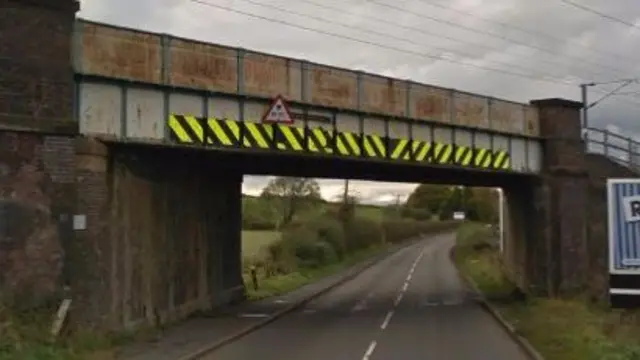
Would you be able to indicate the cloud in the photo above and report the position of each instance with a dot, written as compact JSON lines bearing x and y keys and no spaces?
{"x":331,"y":189}
{"x":542,"y":39}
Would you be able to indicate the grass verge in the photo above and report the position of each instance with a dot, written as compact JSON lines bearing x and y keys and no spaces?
{"x":281,"y":284}
{"x":560,"y":329}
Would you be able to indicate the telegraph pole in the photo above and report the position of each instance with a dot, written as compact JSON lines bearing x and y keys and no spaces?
{"x":585,"y":120}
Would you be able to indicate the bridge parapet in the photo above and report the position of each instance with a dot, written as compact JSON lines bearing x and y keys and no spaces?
{"x":621,"y":149}
{"x":132,"y":55}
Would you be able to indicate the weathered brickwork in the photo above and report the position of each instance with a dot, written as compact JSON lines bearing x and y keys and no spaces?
{"x":37,"y":162}
{"x":36,"y":207}
{"x":36,"y":81}
{"x":548,"y":214}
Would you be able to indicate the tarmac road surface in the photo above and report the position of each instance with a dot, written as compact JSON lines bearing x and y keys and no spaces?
{"x":409,"y":306}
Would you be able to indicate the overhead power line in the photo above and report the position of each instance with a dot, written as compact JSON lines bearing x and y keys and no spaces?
{"x":390,"y":36}
{"x":434,"y":34}
{"x":599,"y":13}
{"x":382,"y":46}
{"x":578,"y":60}
{"x":559,"y":40}
{"x":386,"y":47}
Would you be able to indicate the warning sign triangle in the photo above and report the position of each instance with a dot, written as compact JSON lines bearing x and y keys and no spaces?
{"x":278,"y":112}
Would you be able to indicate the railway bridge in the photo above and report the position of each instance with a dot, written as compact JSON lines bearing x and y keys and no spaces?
{"x":122,"y":155}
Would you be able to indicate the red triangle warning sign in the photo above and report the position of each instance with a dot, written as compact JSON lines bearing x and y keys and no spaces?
{"x":278,"y":112}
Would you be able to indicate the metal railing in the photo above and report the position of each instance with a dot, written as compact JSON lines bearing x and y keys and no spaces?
{"x":620,"y":149}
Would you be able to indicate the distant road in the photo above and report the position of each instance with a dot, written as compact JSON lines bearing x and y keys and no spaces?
{"x":411,"y":305}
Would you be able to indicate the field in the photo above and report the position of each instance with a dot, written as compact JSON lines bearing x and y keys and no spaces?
{"x":253,"y":241}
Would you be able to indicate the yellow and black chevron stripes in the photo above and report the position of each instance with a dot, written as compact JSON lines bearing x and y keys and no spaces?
{"x":256,"y":136}
{"x":320,"y":141}
{"x":347,"y":144}
{"x":501,"y":160}
{"x":288,"y":138}
{"x":482,"y":158}
{"x":374,"y":146}
{"x":187,"y":129}
{"x":224,"y":133}
{"x":400,"y":149}
{"x":463,"y":155}
{"x":442,"y":153}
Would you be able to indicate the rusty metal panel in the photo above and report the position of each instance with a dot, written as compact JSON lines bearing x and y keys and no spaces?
{"x":186,"y":104}
{"x":399,"y":130}
{"x":422,"y":131}
{"x":145,"y":114}
{"x":119,"y":53}
{"x":253,"y":111}
{"x":100,"y":109}
{"x":374,"y":126}
{"x":347,"y":122}
{"x":531,"y":120}
{"x":203,"y":66}
{"x":534,"y":152}
{"x":332,"y":87}
{"x":507,"y":117}
{"x":223,"y":108}
{"x":471,"y":110}
{"x":383,"y":95}
{"x":269,"y":76}
{"x":430,"y":103}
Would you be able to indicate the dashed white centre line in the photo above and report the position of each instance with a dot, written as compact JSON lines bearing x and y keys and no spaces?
{"x":370,"y":350}
{"x":397,"y":301}
{"x":385,"y":323}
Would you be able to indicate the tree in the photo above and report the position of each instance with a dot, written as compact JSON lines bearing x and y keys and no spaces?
{"x":485,"y":204}
{"x":291,"y":194}
{"x":429,"y":196}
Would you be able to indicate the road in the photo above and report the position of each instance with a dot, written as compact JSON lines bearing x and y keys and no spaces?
{"x":411,"y":305}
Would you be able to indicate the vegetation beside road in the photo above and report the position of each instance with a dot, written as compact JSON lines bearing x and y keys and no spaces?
{"x":303,"y":238}
{"x":560,"y":329}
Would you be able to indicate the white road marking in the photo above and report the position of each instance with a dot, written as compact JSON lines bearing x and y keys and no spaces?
{"x":387,"y":318}
{"x":359,"y":306}
{"x":398,"y":299}
{"x":362,"y":304}
{"x":280,"y":301}
{"x":370,"y":350}
{"x":253,"y":315}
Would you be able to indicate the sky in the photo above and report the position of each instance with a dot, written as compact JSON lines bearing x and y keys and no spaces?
{"x":470,"y":45}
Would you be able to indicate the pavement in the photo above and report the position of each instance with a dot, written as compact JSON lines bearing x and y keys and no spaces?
{"x":411,"y":305}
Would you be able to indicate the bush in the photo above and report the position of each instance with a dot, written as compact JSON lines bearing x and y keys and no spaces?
{"x":308,"y":249}
{"x":330,"y":230}
{"x":416,"y":213}
{"x":362,"y":233}
{"x":249,"y":223}
{"x":398,"y":230}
